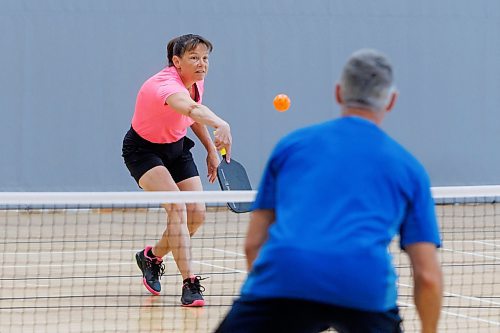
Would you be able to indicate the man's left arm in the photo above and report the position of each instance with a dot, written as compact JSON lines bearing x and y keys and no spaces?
{"x":258,"y":227}
{"x":428,"y":283}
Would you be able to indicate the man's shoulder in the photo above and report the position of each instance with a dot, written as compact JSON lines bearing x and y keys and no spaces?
{"x":405,"y":161}
{"x":307,"y":135}
{"x":310,"y":130}
{"x":403,"y":152}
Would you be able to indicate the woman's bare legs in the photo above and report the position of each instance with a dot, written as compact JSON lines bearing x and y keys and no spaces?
{"x":176,"y":237}
{"x":182,"y":220}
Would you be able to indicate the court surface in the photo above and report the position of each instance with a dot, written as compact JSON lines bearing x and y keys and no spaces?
{"x":74,"y":271}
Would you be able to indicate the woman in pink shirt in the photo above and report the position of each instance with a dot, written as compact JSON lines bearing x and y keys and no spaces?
{"x":157,"y":154}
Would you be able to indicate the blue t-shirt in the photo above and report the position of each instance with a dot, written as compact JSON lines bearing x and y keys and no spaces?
{"x":341,"y":191}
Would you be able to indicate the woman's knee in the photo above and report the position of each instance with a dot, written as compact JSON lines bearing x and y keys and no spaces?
{"x":196,"y":216}
{"x":175,"y":210}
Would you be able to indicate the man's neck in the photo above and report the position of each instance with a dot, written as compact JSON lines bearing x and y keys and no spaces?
{"x":373,"y":116}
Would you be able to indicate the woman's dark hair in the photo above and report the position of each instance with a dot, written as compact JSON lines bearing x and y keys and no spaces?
{"x":182,"y":44}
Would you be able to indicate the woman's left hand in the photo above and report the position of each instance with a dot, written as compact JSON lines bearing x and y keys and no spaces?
{"x":212,"y":164}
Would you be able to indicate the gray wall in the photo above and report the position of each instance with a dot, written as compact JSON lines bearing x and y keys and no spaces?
{"x":70,"y":71}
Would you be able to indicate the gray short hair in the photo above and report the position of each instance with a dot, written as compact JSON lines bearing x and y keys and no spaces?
{"x":366,"y":80}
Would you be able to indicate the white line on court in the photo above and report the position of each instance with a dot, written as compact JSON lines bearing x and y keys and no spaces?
{"x":222,"y":260}
{"x":476,"y":241}
{"x":66,"y":251}
{"x":472,"y":298}
{"x":66,"y":265}
{"x":36,"y":285}
{"x":458,"y":315}
{"x":476,"y":299}
{"x":487,"y":243}
{"x":104,"y":264}
{"x":108,"y":250}
{"x":471,"y":254}
{"x":472,"y":318}
{"x":224,"y":251}
{"x":221,"y":267}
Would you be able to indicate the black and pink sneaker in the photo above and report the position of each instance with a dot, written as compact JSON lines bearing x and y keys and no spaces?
{"x":192,"y":292}
{"x":152,"y":270}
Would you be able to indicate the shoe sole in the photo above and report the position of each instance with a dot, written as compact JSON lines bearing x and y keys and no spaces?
{"x":197,"y":303}
{"x":151,"y":290}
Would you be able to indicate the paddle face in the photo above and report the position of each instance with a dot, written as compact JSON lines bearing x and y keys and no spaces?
{"x":233,"y":177}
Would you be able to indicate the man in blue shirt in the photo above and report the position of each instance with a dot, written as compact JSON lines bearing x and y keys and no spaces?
{"x":332,"y":198}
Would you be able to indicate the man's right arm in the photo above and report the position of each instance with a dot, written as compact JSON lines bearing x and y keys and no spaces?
{"x":428,"y":283}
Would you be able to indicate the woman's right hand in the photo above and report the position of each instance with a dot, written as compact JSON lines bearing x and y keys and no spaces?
{"x":223,"y":139}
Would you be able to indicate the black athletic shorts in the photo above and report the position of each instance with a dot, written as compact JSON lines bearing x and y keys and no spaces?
{"x":140,"y":155}
{"x":300,"y":316}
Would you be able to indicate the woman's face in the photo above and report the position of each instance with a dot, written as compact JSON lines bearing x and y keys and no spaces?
{"x":193,"y":64}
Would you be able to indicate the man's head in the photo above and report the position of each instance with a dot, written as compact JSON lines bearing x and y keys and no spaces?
{"x":366,"y":82}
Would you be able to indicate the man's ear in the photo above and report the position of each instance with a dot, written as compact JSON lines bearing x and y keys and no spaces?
{"x":338,"y":94}
{"x":392,"y":101}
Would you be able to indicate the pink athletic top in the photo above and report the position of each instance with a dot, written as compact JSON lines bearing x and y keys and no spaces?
{"x":154,"y":120}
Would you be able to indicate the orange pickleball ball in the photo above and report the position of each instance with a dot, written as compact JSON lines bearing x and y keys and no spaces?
{"x":281,"y":102}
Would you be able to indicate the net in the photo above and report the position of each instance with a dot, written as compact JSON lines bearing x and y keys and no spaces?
{"x":67,"y":261}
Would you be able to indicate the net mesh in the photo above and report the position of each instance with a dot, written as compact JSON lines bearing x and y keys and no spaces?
{"x":67,"y":262}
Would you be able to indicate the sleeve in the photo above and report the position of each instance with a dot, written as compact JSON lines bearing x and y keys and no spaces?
{"x":170,"y":87}
{"x":265,"y":198}
{"x":267,"y":191}
{"x":420,"y":224}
